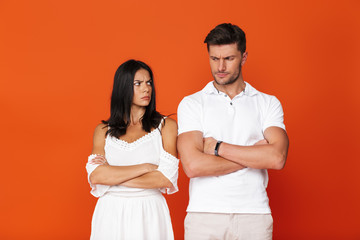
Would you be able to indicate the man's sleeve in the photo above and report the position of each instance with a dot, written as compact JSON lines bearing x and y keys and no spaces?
{"x":274,"y":116}
{"x":189,"y":116}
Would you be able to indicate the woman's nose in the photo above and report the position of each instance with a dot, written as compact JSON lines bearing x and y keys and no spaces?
{"x":146,"y":88}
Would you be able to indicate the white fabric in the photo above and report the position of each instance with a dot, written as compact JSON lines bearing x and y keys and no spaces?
{"x":118,"y":216}
{"x":228,"y":226}
{"x":151,"y":217}
{"x":241,"y":121}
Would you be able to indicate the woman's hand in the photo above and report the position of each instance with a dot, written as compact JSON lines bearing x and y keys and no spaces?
{"x":99,"y":159}
{"x":150,"y":167}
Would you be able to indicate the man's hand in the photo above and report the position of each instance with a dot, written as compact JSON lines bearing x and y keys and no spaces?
{"x":261,"y":142}
{"x":209,"y":145}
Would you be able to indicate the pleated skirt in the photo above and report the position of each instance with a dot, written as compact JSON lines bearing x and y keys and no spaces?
{"x":144,"y":217}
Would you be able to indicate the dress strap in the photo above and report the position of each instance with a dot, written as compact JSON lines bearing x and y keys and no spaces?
{"x":162,"y":122}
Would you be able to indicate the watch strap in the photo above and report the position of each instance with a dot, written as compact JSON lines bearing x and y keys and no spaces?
{"x":217,"y":148}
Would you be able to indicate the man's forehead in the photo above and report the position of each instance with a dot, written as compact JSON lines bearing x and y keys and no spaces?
{"x":224,"y":50}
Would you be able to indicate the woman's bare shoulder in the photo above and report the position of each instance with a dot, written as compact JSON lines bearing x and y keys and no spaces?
{"x":100,"y":130}
{"x":169,"y":125}
{"x":99,"y":139}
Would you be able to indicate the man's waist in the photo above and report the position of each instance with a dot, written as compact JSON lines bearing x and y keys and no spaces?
{"x":265,"y":209}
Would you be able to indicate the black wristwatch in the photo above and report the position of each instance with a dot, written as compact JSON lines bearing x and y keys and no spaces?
{"x":217,"y":148}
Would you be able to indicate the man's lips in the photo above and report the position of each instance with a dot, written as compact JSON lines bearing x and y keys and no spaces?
{"x":221,"y":75}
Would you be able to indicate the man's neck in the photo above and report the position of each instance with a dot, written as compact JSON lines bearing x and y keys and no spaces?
{"x":232,"y":89}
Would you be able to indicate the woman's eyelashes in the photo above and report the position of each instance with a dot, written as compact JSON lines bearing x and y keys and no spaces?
{"x":138,"y":83}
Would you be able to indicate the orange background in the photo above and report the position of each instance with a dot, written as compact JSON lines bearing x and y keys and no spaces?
{"x":57,"y":61}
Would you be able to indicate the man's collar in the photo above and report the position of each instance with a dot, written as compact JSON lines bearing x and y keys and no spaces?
{"x":248,"y":91}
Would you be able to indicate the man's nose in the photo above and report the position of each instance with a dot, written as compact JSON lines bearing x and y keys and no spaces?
{"x":222,"y":65}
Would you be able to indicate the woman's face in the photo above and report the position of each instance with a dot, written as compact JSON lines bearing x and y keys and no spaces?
{"x":142,"y":88}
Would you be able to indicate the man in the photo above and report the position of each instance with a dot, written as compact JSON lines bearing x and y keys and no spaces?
{"x":229,"y":134}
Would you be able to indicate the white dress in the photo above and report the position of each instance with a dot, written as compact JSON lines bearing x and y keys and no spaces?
{"x":134,"y":213}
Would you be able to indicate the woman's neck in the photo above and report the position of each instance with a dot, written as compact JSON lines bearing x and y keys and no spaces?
{"x":136,"y":114}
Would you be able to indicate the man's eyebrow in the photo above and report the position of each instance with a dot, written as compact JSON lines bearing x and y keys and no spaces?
{"x":230,"y":56}
{"x":223,"y":57}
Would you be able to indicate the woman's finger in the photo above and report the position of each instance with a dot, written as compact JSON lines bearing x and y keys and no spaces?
{"x":97,"y":162}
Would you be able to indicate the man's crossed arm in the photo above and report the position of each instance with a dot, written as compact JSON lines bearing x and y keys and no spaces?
{"x":198,"y":159}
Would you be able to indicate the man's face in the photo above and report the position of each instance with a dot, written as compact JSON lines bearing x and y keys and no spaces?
{"x":225,"y":63}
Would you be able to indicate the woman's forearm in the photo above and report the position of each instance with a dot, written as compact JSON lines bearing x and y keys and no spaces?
{"x":153,"y":179}
{"x":115,"y":175}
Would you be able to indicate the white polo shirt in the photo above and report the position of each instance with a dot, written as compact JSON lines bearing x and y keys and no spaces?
{"x":241,"y":121}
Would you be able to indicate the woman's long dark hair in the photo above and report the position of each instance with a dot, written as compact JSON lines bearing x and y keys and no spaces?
{"x":122,"y":98}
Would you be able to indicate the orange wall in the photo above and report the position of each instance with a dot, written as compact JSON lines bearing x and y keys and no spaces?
{"x":57,"y":60}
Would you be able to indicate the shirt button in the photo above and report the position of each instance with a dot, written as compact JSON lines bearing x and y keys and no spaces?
{"x":230,"y":103}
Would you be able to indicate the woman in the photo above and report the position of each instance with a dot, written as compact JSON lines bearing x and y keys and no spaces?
{"x":133,"y":161}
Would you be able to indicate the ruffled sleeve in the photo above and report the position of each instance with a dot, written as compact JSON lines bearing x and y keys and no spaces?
{"x":168,"y":166}
{"x":96,"y":189}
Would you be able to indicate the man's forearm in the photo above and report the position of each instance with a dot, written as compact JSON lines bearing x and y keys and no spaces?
{"x":269,"y":153}
{"x":263,"y":156}
{"x":258,"y":156}
{"x":196,"y":163}
{"x":203,"y":164}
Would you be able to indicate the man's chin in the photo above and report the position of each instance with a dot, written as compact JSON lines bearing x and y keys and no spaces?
{"x":224,"y":81}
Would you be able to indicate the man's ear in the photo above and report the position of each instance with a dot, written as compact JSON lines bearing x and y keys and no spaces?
{"x":244,"y":57}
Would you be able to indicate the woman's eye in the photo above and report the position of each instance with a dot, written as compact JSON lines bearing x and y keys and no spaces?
{"x":148,"y":83}
{"x":137,"y":84}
